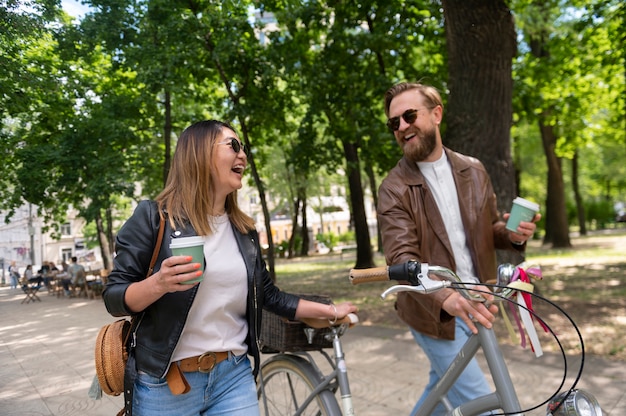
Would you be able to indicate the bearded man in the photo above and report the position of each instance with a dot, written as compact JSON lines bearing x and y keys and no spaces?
{"x":438,"y":206}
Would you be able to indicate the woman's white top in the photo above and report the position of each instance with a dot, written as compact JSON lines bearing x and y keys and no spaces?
{"x":217,"y":318}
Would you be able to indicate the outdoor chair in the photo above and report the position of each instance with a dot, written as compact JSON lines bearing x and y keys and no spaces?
{"x":30,"y":289}
{"x":81,"y":288}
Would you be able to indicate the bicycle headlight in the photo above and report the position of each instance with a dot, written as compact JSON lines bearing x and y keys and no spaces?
{"x":575,"y":403}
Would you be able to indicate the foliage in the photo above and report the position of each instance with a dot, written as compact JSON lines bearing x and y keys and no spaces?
{"x":329,"y":239}
{"x":570,"y":81}
{"x":90,"y":109}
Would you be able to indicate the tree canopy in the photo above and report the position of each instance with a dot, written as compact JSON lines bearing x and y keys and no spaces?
{"x":91,"y":108}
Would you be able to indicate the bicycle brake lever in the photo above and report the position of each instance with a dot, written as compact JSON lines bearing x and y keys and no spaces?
{"x":427,"y":286}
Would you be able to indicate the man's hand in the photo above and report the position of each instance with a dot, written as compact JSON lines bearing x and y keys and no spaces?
{"x":471,"y":311}
{"x":525,"y":230}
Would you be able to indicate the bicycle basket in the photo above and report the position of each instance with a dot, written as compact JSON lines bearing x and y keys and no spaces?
{"x":282,"y":334}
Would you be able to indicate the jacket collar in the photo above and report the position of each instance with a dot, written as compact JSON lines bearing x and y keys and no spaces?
{"x":412,"y":176}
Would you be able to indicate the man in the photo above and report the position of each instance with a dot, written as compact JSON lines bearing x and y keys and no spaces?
{"x":75,"y":276}
{"x":438,"y":206}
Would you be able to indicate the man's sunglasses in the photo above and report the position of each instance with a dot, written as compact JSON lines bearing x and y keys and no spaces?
{"x":237,"y":146}
{"x":409,"y":116}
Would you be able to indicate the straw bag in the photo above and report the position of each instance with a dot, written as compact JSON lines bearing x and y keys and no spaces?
{"x":111,"y":356}
{"x":111,"y":343}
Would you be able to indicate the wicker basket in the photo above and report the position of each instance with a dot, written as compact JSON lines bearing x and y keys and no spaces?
{"x":282,"y":334}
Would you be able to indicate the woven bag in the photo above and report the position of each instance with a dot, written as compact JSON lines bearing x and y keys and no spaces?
{"x":111,"y":356}
{"x":111,"y":352}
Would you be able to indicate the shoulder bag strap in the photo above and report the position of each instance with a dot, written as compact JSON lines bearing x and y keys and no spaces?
{"x":157,"y":247}
{"x":155,"y":254}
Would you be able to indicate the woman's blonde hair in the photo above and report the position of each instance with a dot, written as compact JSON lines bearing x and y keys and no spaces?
{"x":188,"y":194}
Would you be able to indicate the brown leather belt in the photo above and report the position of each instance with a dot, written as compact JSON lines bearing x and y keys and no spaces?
{"x":203,"y":363}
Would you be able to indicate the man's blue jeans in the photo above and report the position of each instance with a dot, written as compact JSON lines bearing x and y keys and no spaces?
{"x":472,"y":382}
{"x":228,"y":390}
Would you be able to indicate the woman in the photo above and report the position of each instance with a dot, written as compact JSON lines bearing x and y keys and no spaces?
{"x":215,"y":322}
{"x":14,"y":274}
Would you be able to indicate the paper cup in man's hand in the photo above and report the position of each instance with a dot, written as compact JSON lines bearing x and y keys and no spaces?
{"x":522,"y":210}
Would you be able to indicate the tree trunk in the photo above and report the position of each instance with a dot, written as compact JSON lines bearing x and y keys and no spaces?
{"x":557,"y":231}
{"x":364,"y":255}
{"x":266,"y":212}
{"x":294,"y":228}
{"x":372,"y":180}
{"x":481,"y":46}
{"x":110,"y":238}
{"x":167,"y":136}
{"x":104,"y":244}
{"x":580,"y":207}
{"x":304,"y":249}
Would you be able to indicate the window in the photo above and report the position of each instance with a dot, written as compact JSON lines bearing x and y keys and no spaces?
{"x":66,"y":254}
{"x":66,"y":229}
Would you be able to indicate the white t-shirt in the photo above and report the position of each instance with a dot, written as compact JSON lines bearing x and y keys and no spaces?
{"x":439,"y":177}
{"x":217,"y":319}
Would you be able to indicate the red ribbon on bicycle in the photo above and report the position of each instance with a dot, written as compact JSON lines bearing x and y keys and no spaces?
{"x":523,"y":313}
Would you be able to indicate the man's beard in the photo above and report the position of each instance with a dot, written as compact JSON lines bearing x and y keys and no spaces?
{"x":421,"y":146}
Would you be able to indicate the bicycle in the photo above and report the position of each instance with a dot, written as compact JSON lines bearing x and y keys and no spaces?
{"x":310,"y":391}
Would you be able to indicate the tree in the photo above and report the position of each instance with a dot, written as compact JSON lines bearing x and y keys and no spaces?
{"x":568,"y":84}
{"x":481,"y":47}
{"x":347,"y":56}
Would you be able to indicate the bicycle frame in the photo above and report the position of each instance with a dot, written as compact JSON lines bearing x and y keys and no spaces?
{"x":504,"y":397}
{"x":335,"y":379}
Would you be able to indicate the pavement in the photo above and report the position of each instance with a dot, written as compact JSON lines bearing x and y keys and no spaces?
{"x":47,"y":364}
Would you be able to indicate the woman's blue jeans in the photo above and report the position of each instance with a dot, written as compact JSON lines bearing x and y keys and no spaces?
{"x":229,"y":389}
{"x":470,"y":384}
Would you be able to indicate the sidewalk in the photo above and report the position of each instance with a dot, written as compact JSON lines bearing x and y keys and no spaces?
{"x":46,"y":364}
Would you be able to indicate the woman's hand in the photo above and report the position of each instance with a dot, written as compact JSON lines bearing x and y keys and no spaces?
{"x":332,"y":312}
{"x":174,"y":270}
{"x":344,"y":308}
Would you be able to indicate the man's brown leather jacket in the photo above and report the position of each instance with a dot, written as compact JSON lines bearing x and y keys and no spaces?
{"x":412,"y":229}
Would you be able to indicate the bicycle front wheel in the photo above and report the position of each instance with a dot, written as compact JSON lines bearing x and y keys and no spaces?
{"x":288,"y":382}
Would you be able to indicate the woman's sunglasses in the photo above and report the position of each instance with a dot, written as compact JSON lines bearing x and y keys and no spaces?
{"x":409,"y":116}
{"x":236,"y":145}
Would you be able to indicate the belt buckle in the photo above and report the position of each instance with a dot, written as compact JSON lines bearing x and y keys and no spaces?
{"x":210,"y":367}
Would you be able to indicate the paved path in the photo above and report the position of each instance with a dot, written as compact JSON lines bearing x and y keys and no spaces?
{"x":46,"y":364}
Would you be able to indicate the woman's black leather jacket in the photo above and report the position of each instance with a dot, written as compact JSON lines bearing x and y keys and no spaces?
{"x":159,"y":326}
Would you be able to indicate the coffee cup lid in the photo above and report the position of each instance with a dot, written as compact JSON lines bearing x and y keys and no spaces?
{"x":526,"y":203}
{"x":186,"y":241}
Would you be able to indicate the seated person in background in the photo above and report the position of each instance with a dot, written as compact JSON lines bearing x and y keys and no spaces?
{"x":75,"y":276}
{"x":30,"y":277}
{"x":44,"y":272}
{"x":30,"y":282}
{"x":52,"y":274}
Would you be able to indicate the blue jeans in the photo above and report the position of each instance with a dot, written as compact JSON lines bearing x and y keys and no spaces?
{"x":14,"y":281}
{"x":470,"y":384}
{"x":229,"y":389}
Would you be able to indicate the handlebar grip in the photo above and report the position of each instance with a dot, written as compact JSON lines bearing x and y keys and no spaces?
{"x":375,"y":274}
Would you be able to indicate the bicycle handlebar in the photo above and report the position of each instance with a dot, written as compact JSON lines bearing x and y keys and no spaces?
{"x":403,"y":271}
{"x":350,"y":319}
{"x":416,"y":274}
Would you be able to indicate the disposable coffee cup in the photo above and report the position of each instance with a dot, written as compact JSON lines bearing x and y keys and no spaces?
{"x":190,"y":246}
{"x":522,"y":210}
